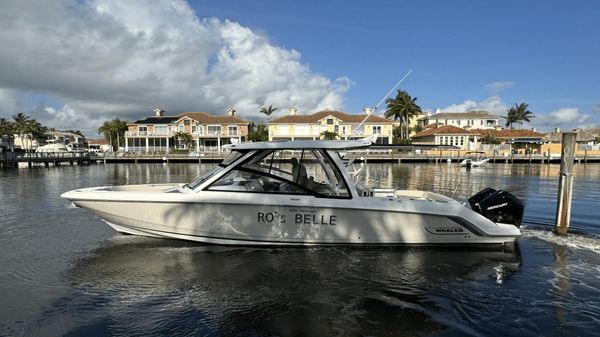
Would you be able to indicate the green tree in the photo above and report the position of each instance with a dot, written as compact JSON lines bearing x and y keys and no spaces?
{"x":329,"y":135}
{"x":35,"y":130}
{"x":402,"y":107}
{"x":522,"y":113}
{"x":184,"y":139}
{"x":259,"y":133}
{"x":518,"y":114}
{"x":20,"y":125}
{"x":114,"y":132}
{"x":489,"y":139}
{"x":268,"y":110}
{"x":6,"y":127}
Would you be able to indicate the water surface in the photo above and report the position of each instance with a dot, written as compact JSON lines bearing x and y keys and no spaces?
{"x":64,"y":272}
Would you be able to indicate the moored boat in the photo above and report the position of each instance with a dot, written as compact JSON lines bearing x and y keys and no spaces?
{"x":300,"y":193}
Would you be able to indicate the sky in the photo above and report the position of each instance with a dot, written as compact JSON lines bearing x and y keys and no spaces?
{"x":73,"y":64}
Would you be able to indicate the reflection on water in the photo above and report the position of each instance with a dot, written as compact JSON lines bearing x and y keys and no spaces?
{"x":66,"y":273}
{"x":227,"y":291}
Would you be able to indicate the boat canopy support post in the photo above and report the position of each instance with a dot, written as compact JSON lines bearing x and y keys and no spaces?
{"x":565,"y":184}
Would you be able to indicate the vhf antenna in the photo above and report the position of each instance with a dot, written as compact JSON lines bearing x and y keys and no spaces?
{"x":378,"y":104}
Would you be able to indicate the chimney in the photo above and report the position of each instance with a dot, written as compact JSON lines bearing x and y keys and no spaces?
{"x":367,"y":110}
{"x":438,"y":110}
{"x":293,"y":111}
{"x":556,"y":130}
{"x":231,"y":112}
{"x":533,"y":129}
{"x":158,"y":112}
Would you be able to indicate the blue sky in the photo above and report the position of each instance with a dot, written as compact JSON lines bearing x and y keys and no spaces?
{"x":548,"y":50}
{"x":312,"y":54}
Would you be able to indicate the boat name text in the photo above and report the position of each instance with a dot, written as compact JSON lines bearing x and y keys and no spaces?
{"x":299,"y":218}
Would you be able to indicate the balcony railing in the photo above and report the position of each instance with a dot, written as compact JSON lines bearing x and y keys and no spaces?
{"x":147,"y":133}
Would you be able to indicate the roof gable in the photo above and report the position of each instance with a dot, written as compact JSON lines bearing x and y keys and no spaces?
{"x":444,"y":130}
{"x":318,"y":116}
{"x":206,"y":118}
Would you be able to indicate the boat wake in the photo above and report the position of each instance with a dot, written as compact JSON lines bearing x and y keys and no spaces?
{"x":583,"y":241}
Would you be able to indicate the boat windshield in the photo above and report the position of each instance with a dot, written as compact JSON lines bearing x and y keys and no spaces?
{"x":309,"y":171}
{"x":232,"y":157}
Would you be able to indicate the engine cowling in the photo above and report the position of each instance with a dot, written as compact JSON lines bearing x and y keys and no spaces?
{"x":498,"y":206}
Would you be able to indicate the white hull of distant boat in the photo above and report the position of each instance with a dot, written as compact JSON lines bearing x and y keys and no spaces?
{"x":474,"y":163}
{"x":248,"y":201}
{"x":53,"y":148}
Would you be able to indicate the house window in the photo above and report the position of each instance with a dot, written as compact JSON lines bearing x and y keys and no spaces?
{"x":214,"y":129}
{"x":143,"y":130}
{"x":232,"y":130}
{"x":160,"y":130}
{"x":186,"y":122}
{"x":194,"y":128}
{"x":458,"y":122}
{"x":377,"y":129}
{"x":330,"y":121}
{"x":360,"y":130}
{"x":336,"y":128}
{"x":181,"y":128}
{"x":345,"y":130}
{"x":481,"y":122}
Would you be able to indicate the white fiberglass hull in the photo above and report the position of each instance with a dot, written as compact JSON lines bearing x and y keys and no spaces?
{"x":259,"y":219}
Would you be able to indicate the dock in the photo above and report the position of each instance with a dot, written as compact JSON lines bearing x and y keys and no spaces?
{"x":32,"y":159}
{"x":46,"y":159}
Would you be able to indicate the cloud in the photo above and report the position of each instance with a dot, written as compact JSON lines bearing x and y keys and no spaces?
{"x":493,"y":105}
{"x":564,"y":118}
{"x":101,"y":59}
{"x":498,"y":87}
{"x":9,"y":102}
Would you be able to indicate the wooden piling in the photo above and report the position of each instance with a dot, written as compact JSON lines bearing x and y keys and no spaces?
{"x":565,"y":184}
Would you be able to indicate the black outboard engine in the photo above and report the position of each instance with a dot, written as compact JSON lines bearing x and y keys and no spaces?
{"x":498,"y":206}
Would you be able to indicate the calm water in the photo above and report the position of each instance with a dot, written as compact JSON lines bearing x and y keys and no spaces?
{"x":63,"y":272}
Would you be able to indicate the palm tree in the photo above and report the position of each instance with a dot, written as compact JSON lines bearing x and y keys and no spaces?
{"x":113,"y":131}
{"x":36,"y":130}
{"x":522,"y":114}
{"x":6,"y":127}
{"x":518,"y":114}
{"x":329,"y":135}
{"x":268,"y":110}
{"x":20,"y":125}
{"x":511,"y":118}
{"x":403,"y":107}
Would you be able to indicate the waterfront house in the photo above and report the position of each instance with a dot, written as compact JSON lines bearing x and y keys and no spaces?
{"x":208,"y":132}
{"x":447,"y":135}
{"x":344,"y":125}
{"x":521,"y":141}
{"x":466,"y":120}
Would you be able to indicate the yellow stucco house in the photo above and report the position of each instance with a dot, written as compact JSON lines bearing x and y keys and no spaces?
{"x":346,"y":126}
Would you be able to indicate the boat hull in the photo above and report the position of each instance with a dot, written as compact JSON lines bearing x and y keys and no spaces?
{"x":298,"y":223}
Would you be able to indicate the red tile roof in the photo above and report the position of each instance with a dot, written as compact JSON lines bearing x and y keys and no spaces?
{"x":461,"y":115}
{"x":97,"y":141}
{"x":206,"y":118}
{"x":316,"y":117}
{"x":444,"y":130}
{"x":509,"y":133}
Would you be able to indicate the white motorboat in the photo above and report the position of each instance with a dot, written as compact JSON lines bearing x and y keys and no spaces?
{"x":469,"y":162}
{"x":53,"y":147}
{"x":300,"y":193}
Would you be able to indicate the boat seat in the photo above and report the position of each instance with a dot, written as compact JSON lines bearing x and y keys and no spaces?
{"x":253,"y":185}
